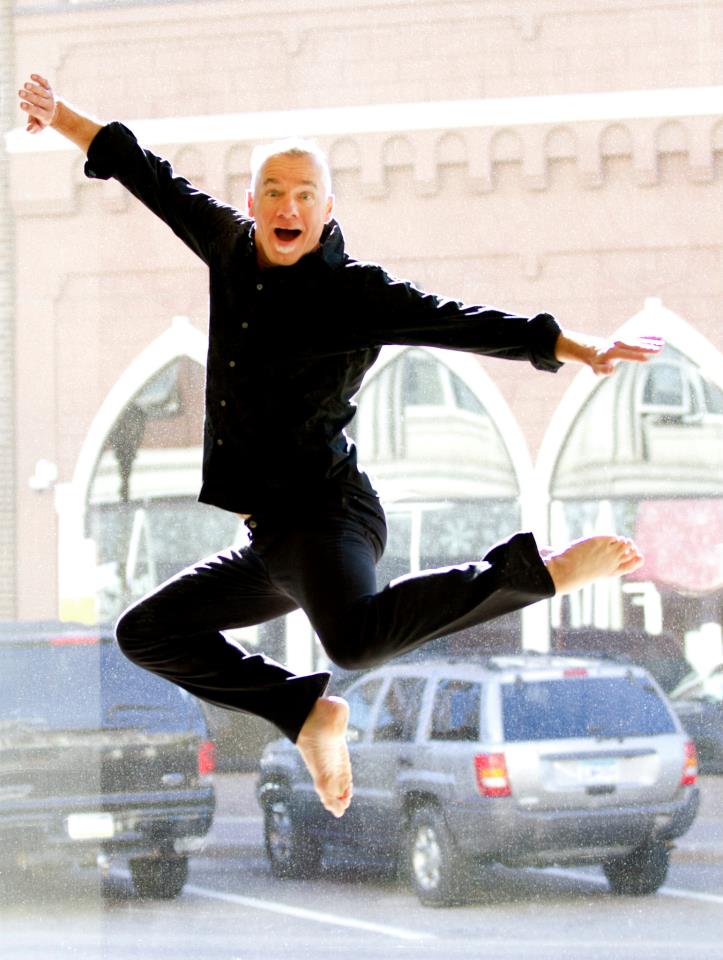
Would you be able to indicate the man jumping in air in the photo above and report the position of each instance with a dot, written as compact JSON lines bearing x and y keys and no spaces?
{"x":295,"y":323}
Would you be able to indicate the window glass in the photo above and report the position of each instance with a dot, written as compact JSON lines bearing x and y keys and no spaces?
{"x":399,"y":712}
{"x":422,"y":380}
{"x":115,"y":692}
{"x":463,"y":396}
{"x":664,"y":386}
{"x":456,"y":711}
{"x":611,"y":707}
{"x":713,"y":397}
{"x":361,"y":702}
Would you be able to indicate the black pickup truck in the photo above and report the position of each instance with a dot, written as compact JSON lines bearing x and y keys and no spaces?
{"x":100,"y":761}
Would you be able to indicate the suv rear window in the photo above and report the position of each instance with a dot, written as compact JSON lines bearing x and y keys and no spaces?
{"x":615,"y":707}
{"x":83,"y":684}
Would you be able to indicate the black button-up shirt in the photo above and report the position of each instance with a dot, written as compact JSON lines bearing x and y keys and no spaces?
{"x":289,"y":346}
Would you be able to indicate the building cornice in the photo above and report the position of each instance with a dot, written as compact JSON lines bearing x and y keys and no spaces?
{"x":533,"y":132}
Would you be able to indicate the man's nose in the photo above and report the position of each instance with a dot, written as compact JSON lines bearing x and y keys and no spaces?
{"x":288,"y":207}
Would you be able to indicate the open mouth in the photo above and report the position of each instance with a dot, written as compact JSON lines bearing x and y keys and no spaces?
{"x":286,"y":236}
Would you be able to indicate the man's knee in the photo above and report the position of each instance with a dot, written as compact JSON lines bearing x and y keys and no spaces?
{"x":347,"y":654}
{"x":133,"y":631}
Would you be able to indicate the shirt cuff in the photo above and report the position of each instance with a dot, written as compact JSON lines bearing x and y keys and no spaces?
{"x":107,"y":151}
{"x":543,"y":332}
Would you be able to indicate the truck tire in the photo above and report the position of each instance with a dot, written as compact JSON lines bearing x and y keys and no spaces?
{"x":159,"y":878}
{"x":437,"y":870}
{"x":291,"y":851}
{"x":639,"y":873}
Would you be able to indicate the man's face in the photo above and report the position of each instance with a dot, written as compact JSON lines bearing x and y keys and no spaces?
{"x":290,"y":205}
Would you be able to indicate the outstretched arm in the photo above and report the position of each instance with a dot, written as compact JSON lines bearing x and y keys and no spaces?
{"x":113,"y":151}
{"x":43,"y":109}
{"x":603,"y":355}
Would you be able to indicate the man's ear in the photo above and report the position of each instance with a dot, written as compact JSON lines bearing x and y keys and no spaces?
{"x":329,"y":210}
{"x":250,"y":202}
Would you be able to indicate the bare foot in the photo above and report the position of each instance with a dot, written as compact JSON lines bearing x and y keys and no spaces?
{"x":592,"y":558}
{"x":323,"y":747}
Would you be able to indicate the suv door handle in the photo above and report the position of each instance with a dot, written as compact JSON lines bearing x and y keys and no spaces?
{"x":404,"y":762}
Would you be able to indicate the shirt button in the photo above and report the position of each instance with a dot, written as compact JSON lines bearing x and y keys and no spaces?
{"x":244,"y":325}
{"x":219,"y":442}
{"x":259,"y":286}
{"x":232,"y":363}
{"x":222,"y":403}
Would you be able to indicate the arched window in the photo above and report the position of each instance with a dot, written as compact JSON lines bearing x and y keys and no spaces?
{"x":439,"y":461}
{"x":644,"y":457}
{"x":142,"y":513}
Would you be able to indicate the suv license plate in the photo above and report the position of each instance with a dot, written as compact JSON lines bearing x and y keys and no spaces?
{"x":90,"y":826}
{"x":602,"y":770}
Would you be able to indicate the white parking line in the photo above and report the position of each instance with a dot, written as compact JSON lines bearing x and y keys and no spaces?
{"x":304,"y":914}
{"x":663,"y":891}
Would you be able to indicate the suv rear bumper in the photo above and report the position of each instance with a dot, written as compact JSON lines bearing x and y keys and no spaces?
{"x":503,"y":833}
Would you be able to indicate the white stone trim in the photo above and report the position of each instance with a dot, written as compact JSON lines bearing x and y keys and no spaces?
{"x":403,"y":117}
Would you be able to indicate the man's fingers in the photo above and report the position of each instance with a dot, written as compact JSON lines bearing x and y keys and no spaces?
{"x":36,"y":93}
{"x":41,"y":80}
{"x":642,"y":349}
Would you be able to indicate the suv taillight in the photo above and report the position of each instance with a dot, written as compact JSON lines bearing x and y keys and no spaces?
{"x":690,"y":765}
{"x":206,"y":758}
{"x":491,"y":772}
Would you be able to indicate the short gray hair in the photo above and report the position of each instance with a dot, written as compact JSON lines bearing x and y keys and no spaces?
{"x":289,"y":147}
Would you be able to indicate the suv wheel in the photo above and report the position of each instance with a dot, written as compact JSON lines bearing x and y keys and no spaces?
{"x":159,"y":879}
{"x":640,"y":872}
{"x":291,"y":852}
{"x":436,"y":868}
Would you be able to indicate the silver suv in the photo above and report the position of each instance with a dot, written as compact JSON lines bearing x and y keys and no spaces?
{"x":523,"y":760}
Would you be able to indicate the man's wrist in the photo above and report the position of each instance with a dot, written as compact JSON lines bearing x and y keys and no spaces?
{"x":56,"y":112}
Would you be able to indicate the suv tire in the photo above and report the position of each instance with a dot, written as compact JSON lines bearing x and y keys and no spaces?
{"x":641,"y":872}
{"x":159,"y":878}
{"x":292,"y":853}
{"x":436,"y":868}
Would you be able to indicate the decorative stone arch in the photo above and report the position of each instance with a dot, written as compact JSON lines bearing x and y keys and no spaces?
{"x":466,"y":367}
{"x":654,"y":318}
{"x":75,"y":560}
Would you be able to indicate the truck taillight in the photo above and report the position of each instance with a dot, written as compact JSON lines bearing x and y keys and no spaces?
{"x":690,"y":765}
{"x":206,"y":758}
{"x":491,"y":772}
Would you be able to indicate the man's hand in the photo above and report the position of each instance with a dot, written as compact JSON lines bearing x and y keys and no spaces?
{"x":44,"y":109}
{"x":603,"y":355}
{"x":39,"y":103}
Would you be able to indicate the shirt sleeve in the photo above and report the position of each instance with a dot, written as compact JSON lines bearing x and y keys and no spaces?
{"x":197,"y":218}
{"x":398,"y":312}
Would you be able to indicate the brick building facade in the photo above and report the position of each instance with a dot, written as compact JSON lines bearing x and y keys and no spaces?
{"x":565,"y":156}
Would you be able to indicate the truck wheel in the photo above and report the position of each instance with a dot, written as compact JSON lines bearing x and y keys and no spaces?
{"x":292,"y":852}
{"x":435,"y":866}
{"x":641,"y":872}
{"x":159,"y":878}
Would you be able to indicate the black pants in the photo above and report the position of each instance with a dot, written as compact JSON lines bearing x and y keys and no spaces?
{"x":323,"y":561}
